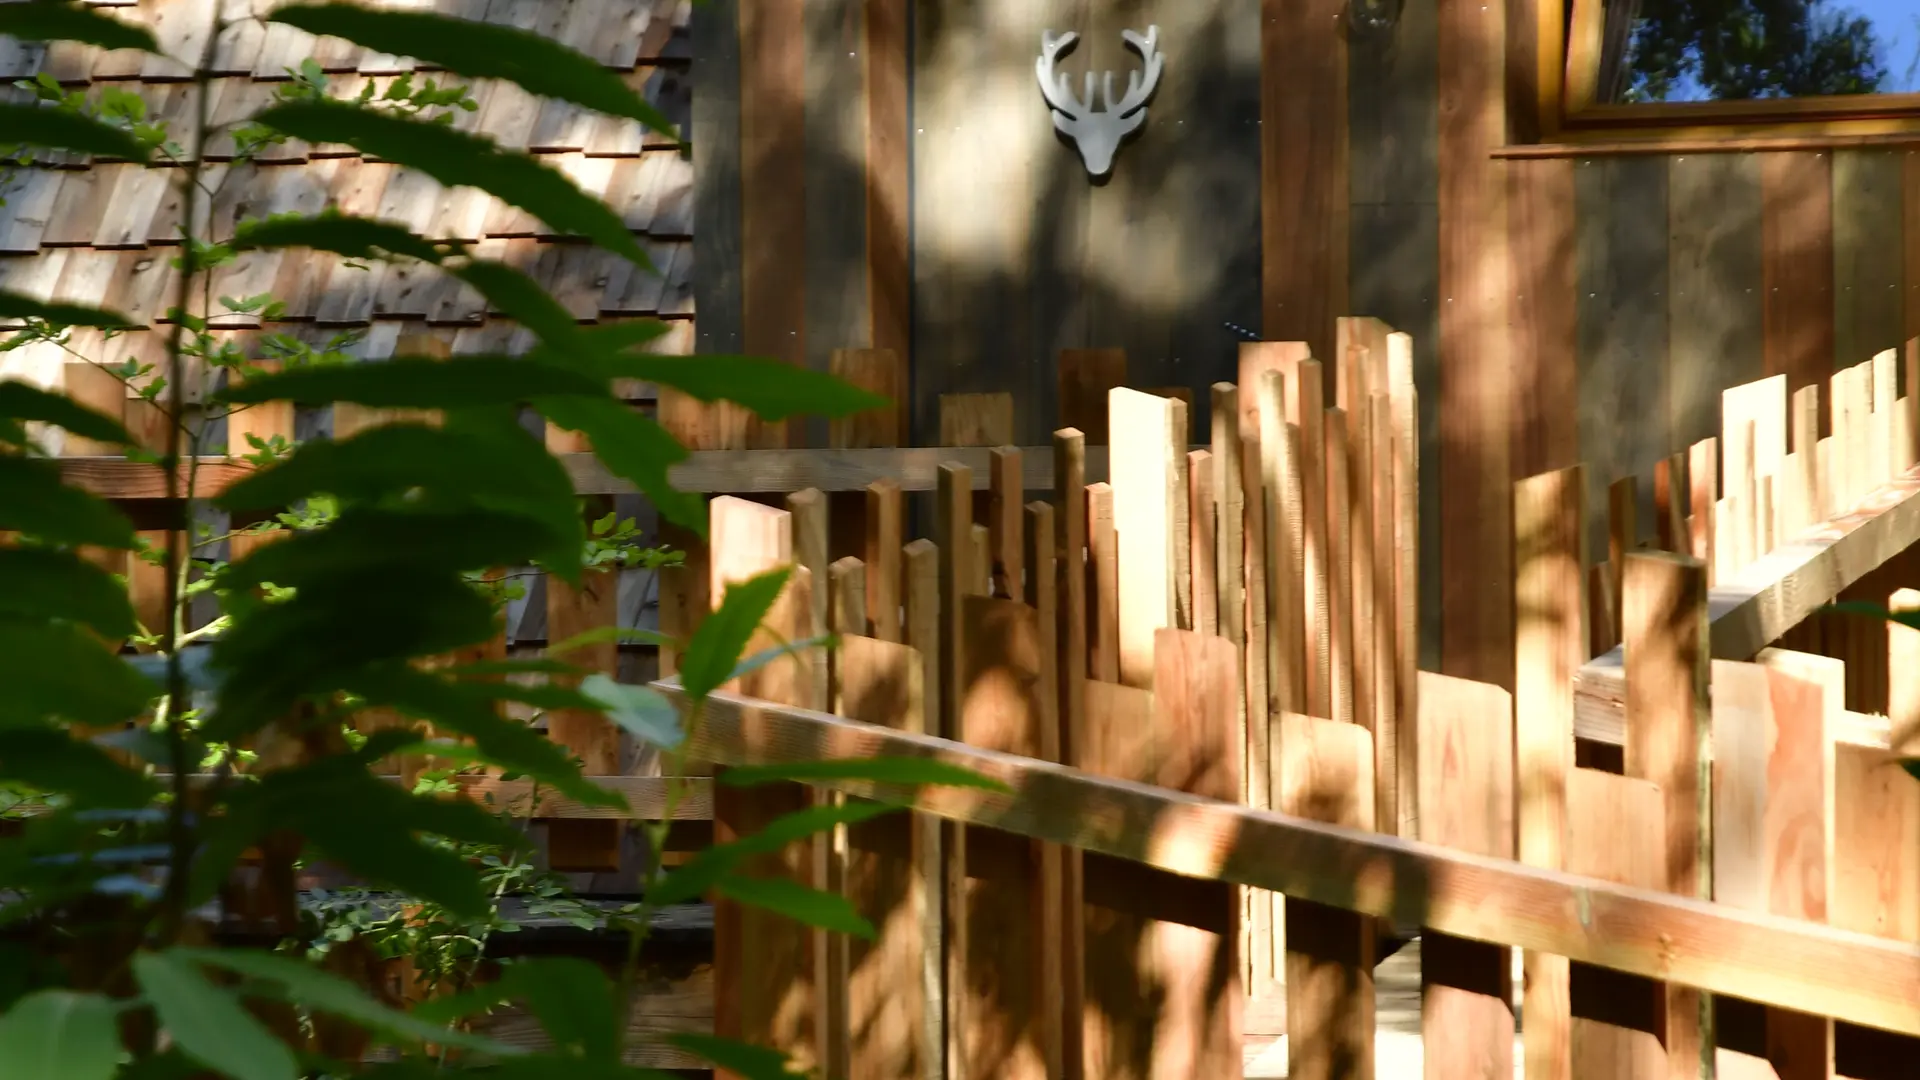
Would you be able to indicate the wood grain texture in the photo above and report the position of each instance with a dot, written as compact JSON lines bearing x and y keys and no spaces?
{"x":835,"y":272}
{"x":1621,"y":269}
{"x":1086,"y":375}
{"x":1765,"y":959}
{"x":1328,"y":776}
{"x":1869,"y":270}
{"x":1543,"y":235}
{"x":1664,"y":620}
{"x":1146,"y":489}
{"x":1550,"y":640}
{"x":889,"y":138}
{"x":1466,"y":777}
{"x":765,"y":967}
{"x":1614,"y":825}
{"x":1003,"y":957}
{"x":715,"y":39}
{"x":1304,"y":201}
{"x":890,"y":874}
{"x":1796,"y":260}
{"x":1716,"y":287}
{"x":773,"y":209}
{"x":884,"y":372}
{"x":1475,"y":387}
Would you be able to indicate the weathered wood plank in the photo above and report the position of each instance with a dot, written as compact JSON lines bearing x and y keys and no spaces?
{"x":1868,"y":266}
{"x":1796,"y":261}
{"x":1714,"y":277}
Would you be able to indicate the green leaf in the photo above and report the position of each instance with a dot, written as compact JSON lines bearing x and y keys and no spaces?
{"x":521,"y":299}
{"x":693,"y":878}
{"x":457,"y":159}
{"x":468,"y":710}
{"x":784,"y":896}
{"x":722,"y":637}
{"x":342,"y":234}
{"x":60,"y":1035}
{"x":751,"y":664}
{"x":634,"y":447}
{"x":57,"y":670}
{"x":1873,"y":611}
{"x":613,"y":337}
{"x":38,"y":504}
{"x":322,"y":991}
{"x":573,"y":1000}
{"x":477,"y":50}
{"x":22,"y":401}
{"x":207,"y":1023}
{"x":1912,"y":765}
{"x":50,"y":760}
{"x":644,"y":712}
{"x":607,"y":633}
{"x":421,"y":383}
{"x":907,"y":772}
{"x":493,"y":464}
{"x":58,"y":129}
{"x":741,"y":1059}
{"x":312,"y":642}
{"x":71,"y":22}
{"x":14,"y":305}
{"x":774,"y":390}
{"x":364,"y":537}
{"x":42,"y":583}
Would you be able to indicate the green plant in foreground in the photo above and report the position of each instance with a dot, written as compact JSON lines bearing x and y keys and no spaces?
{"x":150,"y":777}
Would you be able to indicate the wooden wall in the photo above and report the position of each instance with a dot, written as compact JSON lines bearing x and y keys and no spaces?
{"x":1634,"y":289}
{"x":1017,"y":253}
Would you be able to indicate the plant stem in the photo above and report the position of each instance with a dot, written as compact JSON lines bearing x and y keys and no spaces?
{"x":180,"y":830}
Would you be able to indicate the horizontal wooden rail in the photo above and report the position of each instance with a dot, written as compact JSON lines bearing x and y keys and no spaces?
{"x":1769,"y":597}
{"x":1804,"y":966}
{"x":914,"y":468}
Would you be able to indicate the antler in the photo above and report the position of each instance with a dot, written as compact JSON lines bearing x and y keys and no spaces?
{"x":1058,"y":90}
{"x":1138,"y":89}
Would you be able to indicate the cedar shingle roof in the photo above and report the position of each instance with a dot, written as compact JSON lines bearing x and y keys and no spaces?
{"x":101,"y":232}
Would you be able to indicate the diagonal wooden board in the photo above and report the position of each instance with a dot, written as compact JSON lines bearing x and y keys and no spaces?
{"x":1769,"y":597}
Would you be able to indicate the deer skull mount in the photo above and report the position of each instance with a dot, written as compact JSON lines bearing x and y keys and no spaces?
{"x":1098,"y":132}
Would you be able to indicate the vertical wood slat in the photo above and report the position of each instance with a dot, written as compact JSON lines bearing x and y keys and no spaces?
{"x":1339,"y":574}
{"x":766,"y":988}
{"x":1406,"y":569}
{"x":1086,"y":376}
{"x":953,"y":530}
{"x":1282,"y":563}
{"x":1774,"y":758}
{"x":1306,"y":410}
{"x":1664,"y":607}
{"x":883,"y":553}
{"x":1103,"y":609}
{"x":1070,"y":642}
{"x":1550,"y":638}
{"x":1327,"y":775}
{"x":1466,"y":775}
{"x":1004,"y":524}
{"x":999,"y":957}
{"x":1383,"y":627}
{"x":1201,"y":548}
{"x":922,"y":626}
{"x":772,"y":209}
{"x":1144,"y":471}
{"x":1057,"y":925}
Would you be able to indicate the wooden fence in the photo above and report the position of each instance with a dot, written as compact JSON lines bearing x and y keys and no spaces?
{"x":1197,"y":676}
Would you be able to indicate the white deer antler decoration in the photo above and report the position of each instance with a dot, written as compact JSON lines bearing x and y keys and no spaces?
{"x":1098,"y":132}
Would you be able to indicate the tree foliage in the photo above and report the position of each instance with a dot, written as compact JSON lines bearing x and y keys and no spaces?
{"x":135,"y":781}
{"x":1745,"y":49}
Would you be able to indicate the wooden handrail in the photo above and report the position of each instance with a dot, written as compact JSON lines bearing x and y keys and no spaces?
{"x":1808,"y":967}
{"x":914,"y":468}
{"x":1771,"y":596}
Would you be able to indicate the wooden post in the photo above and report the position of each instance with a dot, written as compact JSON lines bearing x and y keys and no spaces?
{"x":1103,"y":558}
{"x":1201,"y":525}
{"x":1703,"y":480}
{"x":1550,"y":531}
{"x":920,"y":566}
{"x":1306,"y":411}
{"x":1071,"y":653}
{"x":1668,"y":723}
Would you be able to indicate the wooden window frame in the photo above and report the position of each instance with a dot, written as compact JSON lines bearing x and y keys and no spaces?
{"x":1567,"y":72}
